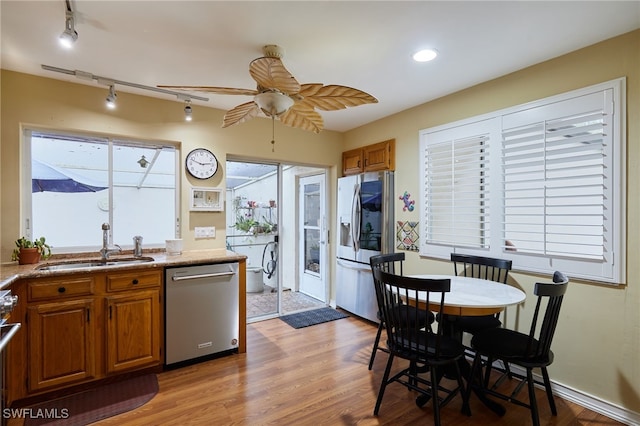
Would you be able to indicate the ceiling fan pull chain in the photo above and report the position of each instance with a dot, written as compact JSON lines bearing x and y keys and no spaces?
{"x":273,"y":134}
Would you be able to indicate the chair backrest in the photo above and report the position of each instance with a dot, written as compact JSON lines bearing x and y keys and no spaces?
{"x":409,"y":332}
{"x":539,"y":345}
{"x":487,"y":268}
{"x":390,"y":262}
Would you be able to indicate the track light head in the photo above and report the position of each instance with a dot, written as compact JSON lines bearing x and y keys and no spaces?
{"x":111,"y":97}
{"x":188,"y":112}
{"x":69,"y":35}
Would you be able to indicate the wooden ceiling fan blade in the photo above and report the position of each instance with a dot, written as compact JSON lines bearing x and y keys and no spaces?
{"x":270,"y":73}
{"x":334,"y":97}
{"x":302,"y":117}
{"x":240,"y":114}
{"x":212,"y":89}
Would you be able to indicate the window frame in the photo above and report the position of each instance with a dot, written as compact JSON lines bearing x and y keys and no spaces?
{"x":613,"y":269}
{"x":25,"y":179}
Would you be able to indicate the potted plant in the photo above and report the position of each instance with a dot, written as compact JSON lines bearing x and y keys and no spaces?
{"x":28,"y":251}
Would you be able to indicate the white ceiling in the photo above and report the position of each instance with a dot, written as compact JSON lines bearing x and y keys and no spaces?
{"x":362,"y":44}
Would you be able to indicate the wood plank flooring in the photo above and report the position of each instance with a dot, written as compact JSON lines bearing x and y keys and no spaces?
{"x":312,"y":376}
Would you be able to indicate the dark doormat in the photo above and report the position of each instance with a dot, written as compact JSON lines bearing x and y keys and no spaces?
{"x":313,"y":317}
{"x":96,"y":404}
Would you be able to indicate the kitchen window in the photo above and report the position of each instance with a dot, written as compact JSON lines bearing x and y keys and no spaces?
{"x":542,"y":184}
{"x":74,"y":183}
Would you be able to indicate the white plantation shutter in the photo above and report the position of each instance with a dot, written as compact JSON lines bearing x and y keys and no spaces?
{"x":542,"y":184}
{"x":456,"y":189}
{"x":556,"y":180}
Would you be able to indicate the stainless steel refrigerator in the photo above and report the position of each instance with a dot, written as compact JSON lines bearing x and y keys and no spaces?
{"x":365,"y":229}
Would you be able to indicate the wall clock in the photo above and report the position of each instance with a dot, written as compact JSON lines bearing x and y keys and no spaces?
{"x":201,"y":163}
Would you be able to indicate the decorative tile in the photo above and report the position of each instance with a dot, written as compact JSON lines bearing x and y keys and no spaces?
{"x":407,"y":236}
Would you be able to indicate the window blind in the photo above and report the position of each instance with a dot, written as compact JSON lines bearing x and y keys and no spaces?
{"x":555,"y":181}
{"x":456,"y":194}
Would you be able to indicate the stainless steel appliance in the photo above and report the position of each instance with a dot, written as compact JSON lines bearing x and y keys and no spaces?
{"x":365,"y":229}
{"x":201,"y":311}
{"x":7,"y":331}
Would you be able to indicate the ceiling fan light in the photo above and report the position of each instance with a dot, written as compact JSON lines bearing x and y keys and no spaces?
{"x":273,"y":103}
{"x":425,"y":55}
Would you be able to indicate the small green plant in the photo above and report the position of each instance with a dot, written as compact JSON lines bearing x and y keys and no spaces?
{"x":245,"y":224}
{"x":43,"y":248}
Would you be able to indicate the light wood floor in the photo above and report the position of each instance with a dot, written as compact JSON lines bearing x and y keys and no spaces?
{"x":312,"y":376}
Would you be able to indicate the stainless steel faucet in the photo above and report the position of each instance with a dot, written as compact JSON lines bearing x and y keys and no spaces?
{"x":105,"y":251}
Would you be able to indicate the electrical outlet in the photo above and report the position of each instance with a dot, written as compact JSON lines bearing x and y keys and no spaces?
{"x":205,"y":232}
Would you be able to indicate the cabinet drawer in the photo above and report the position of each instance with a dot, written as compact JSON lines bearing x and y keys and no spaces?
{"x":59,"y":288}
{"x":134,"y":280}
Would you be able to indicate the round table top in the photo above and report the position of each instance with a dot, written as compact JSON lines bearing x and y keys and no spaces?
{"x":477,"y":296}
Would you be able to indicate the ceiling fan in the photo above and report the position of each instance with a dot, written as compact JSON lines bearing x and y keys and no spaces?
{"x":279,"y":95}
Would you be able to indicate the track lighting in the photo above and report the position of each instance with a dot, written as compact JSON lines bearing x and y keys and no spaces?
{"x":111,"y":97}
{"x":188,"y":113}
{"x":69,"y":35}
{"x":111,"y":82}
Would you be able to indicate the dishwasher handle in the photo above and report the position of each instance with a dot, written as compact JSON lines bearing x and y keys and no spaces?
{"x":198,"y":276}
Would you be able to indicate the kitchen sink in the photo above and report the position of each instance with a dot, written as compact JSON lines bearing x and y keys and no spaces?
{"x":78,"y":264}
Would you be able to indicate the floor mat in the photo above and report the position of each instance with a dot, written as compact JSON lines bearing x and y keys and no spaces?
{"x":313,"y":317}
{"x":96,"y":404}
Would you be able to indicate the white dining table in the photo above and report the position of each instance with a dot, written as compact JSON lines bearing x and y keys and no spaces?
{"x":474,"y":296}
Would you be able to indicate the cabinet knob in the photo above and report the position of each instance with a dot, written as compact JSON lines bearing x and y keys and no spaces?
{"x":135,"y":281}
{"x":61,"y":289}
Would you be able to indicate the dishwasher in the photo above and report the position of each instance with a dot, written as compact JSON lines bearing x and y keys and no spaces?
{"x":201,"y":312}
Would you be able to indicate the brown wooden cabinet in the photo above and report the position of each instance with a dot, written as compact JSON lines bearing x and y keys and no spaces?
{"x":78,"y":328}
{"x":375,"y":157}
{"x":61,"y":340}
{"x":133,"y":331}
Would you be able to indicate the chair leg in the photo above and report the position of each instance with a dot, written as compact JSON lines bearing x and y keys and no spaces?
{"x":383,"y":385}
{"x":547,"y":386}
{"x":487,"y":374}
{"x":434,"y":396}
{"x":463,"y":391}
{"x":532,"y":398}
{"x":375,"y":345}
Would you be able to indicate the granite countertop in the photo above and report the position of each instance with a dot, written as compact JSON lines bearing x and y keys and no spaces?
{"x":11,"y":272}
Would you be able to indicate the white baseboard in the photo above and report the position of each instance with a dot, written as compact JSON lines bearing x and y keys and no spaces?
{"x":590,"y":402}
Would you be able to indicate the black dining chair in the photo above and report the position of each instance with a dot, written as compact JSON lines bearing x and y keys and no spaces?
{"x":410,"y":337}
{"x":487,"y":268}
{"x":392,"y":263}
{"x":528,"y":351}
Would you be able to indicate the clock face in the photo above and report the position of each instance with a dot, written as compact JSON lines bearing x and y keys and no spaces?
{"x":201,"y":163}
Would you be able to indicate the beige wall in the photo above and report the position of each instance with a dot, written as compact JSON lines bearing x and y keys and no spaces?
{"x":597,"y":343}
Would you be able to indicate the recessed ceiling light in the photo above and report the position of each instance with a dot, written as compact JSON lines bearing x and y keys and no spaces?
{"x":425,"y":55}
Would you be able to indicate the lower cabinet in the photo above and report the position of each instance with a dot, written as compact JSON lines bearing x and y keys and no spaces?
{"x":80,"y":328}
{"x":133,"y":335}
{"x":61,"y":343}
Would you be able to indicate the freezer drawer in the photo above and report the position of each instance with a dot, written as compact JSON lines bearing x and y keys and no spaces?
{"x":201,"y":311}
{"x":355,"y":291}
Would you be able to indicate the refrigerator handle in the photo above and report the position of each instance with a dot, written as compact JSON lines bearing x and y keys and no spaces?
{"x":355,"y":218}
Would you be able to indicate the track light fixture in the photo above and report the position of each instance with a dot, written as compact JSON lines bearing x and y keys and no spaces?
{"x":69,"y":35}
{"x":111,"y":97}
{"x":188,"y":113}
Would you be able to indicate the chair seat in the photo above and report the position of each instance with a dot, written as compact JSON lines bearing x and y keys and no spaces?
{"x":407,"y":311}
{"x":509,"y":345}
{"x":449,"y":348}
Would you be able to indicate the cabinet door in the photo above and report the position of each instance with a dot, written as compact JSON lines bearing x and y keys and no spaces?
{"x":379,"y":156}
{"x":61,"y":343}
{"x":133,"y":330}
{"x":352,"y":162}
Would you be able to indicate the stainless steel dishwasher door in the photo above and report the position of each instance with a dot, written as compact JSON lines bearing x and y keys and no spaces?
{"x":201,"y":311}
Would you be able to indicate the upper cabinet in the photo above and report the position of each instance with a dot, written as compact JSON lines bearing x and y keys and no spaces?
{"x":370,"y":158}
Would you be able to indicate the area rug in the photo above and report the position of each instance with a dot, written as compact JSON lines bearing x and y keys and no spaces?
{"x":96,"y":404}
{"x":313,"y":317}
